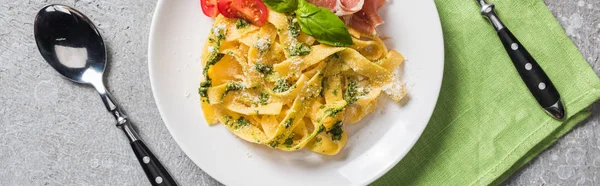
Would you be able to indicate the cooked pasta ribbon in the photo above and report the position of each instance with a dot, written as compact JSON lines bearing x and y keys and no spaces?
{"x":276,"y":86}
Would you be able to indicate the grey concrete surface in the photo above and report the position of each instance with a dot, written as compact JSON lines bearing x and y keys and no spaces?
{"x":53,"y":132}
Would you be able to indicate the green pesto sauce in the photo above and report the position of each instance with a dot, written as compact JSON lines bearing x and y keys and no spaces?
{"x":228,"y":120}
{"x":278,"y":138}
{"x":293,"y":27}
{"x":212,"y":60}
{"x":232,"y":86}
{"x":264,"y":98}
{"x":218,"y":35}
{"x":282,"y":85}
{"x":273,"y":143}
{"x":336,"y":131}
{"x":289,"y":141}
{"x":264,"y":68}
{"x":322,"y":91}
{"x":332,"y":112}
{"x":241,"y":23}
{"x":321,"y":129}
{"x":241,"y":122}
{"x":298,"y":49}
{"x":203,"y":89}
{"x":351,"y":95}
{"x":288,"y":122}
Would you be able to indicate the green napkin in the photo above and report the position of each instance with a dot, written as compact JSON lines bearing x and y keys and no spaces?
{"x":486,"y":124}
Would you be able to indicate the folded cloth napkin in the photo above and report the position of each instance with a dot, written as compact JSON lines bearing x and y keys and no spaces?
{"x":486,"y":124}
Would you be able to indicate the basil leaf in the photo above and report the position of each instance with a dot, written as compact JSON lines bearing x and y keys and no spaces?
{"x":282,"y":6}
{"x":322,"y":24}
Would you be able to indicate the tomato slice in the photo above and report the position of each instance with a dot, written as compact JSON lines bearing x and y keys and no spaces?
{"x":209,"y":8}
{"x":253,"y":11}
{"x":224,"y":7}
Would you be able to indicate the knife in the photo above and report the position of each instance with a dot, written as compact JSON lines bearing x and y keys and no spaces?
{"x":530,"y":71}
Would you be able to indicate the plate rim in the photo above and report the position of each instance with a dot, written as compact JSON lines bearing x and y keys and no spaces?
{"x":386,"y":169}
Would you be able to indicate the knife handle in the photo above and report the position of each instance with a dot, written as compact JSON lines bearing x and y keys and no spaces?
{"x":533,"y":75}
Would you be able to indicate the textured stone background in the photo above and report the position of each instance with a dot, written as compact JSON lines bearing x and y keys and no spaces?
{"x":53,"y":132}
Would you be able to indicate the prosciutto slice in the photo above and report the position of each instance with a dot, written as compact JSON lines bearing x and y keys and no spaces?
{"x":367,"y":19}
{"x":358,"y":14}
{"x":347,"y":7}
{"x":329,"y":4}
{"x":340,"y":7}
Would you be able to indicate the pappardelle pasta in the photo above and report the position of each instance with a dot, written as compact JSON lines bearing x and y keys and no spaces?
{"x":274,"y":85}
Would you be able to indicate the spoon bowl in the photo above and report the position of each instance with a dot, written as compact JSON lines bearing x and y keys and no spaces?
{"x":70,"y":43}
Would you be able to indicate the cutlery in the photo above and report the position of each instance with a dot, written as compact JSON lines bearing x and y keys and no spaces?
{"x":530,"y":71}
{"x":72,"y":45}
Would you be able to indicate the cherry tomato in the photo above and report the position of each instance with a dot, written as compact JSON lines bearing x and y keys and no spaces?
{"x":209,"y":8}
{"x":253,"y":11}
{"x":224,"y":7}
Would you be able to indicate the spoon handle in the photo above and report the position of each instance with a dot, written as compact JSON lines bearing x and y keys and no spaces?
{"x":155,"y":171}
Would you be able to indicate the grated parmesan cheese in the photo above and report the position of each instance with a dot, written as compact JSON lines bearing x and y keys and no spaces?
{"x":263,"y":44}
{"x":297,"y":61}
{"x":295,"y":64}
{"x":395,"y":90}
{"x":360,"y":89}
{"x":219,"y":29}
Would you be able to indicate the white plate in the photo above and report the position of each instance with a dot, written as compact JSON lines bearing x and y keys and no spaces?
{"x":375,"y":145}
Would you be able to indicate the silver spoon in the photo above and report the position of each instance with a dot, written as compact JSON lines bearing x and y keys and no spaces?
{"x":72,"y":45}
